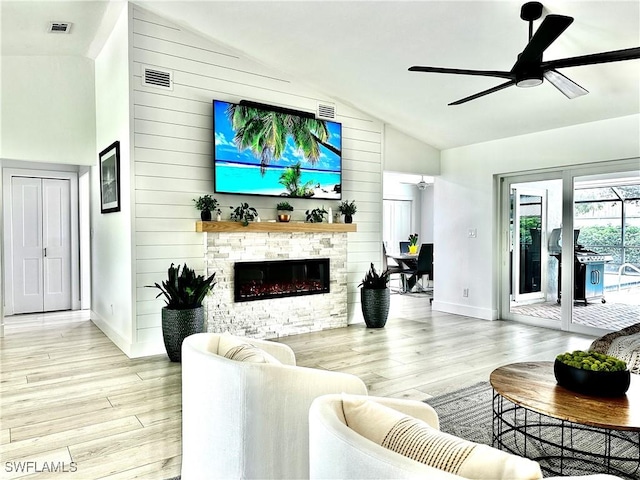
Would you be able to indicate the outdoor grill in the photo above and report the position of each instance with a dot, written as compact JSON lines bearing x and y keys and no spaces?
{"x":588,"y":267}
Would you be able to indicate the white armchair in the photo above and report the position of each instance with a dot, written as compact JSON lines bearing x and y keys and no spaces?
{"x":337,"y":451}
{"x":249,"y":420}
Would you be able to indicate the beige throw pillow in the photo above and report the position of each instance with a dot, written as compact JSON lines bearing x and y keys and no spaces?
{"x":417,"y":440}
{"x":235,"y":348}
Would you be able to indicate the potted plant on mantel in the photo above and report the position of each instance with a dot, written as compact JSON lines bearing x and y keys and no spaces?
{"x":284,"y":211}
{"x":348,"y":209}
{"x":183,"y":314}
{"x":375,"y":298}
{"x":316,"y":215}
{"x":244,"y":213}
{"x":207,"y":204}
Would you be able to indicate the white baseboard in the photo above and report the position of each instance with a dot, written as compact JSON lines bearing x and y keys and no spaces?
{"x":120,"y":342}
{"x":147,"y":349}
{"x":465,"y":310}
{"x":130,"y":349}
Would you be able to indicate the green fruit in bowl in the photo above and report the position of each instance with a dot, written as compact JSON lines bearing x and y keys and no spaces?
{"x":594,"y":361}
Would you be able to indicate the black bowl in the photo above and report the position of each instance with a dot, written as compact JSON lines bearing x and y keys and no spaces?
{"x":602,"y":384}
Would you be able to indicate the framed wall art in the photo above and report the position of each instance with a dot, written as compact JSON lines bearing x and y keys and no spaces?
{"x":110,"y":178}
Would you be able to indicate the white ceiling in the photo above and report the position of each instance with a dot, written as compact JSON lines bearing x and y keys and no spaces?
{"x":358,"y":52}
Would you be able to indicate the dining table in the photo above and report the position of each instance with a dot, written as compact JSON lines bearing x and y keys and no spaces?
{"x":408,"y":261}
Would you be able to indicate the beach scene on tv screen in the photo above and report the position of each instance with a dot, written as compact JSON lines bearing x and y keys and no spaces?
{"x":262,"y":152}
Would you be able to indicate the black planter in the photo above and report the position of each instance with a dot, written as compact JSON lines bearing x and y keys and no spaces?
{"x":178,"y":325}
{"x":375,"y":306}
{"x":205,"y":215}
{"x":348,"y":219}
{"x":601,"y":384}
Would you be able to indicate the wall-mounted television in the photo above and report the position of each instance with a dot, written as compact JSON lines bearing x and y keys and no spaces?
{"x":266,"y":150}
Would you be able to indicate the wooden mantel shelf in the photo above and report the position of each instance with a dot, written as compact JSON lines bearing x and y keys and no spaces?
{"x":283,"y":227}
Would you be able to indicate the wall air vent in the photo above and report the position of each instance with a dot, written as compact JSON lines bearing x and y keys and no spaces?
{"x":152,"y":77}
{"x":326,"y":110}
{"x":59,"y":27}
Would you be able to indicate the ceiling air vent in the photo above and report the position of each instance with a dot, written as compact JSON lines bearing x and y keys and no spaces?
{"x":59,"y":27}
{"x":152,"y":77}
{"x":326,"y":110}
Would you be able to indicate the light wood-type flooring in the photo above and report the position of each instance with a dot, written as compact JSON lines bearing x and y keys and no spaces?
{"x":71,"y":400}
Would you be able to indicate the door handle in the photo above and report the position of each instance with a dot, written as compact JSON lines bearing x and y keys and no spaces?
{"x":45,"y":252}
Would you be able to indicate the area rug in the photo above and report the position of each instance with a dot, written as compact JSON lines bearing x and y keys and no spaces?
{"x":468,"y":413}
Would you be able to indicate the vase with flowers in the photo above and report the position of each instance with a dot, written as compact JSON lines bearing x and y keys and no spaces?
{"x":413,"y":243}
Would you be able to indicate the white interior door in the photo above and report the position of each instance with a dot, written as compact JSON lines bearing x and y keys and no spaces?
{"x":56,"y":232}
{"x":28,"y":252}
{"x":396,"y":223}
{"x":41,"y":253}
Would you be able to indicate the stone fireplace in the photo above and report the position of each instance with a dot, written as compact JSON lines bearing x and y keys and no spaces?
{"x":229,"y":246}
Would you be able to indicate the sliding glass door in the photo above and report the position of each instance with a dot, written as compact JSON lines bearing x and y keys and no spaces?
{"x":530,"y":280}
{"x":570,"y":247}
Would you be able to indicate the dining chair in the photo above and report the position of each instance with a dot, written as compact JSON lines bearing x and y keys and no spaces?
{"x":424,"y":266}
{"x":393,"y":269}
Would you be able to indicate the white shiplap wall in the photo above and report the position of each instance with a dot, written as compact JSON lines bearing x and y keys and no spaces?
{"x":173,"y":161}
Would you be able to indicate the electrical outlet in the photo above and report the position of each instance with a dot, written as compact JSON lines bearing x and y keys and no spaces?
{"x":465,"y":292}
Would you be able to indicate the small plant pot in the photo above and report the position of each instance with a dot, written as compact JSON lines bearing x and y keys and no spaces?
{"x":205,"y":215}
{"x":348,"y":219}
{"x":284,"y":216}
{"x":413,"y":249}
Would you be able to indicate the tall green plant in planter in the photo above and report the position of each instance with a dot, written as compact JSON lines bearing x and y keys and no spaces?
{"x":375,"y":298}
{"x":184,"y":314}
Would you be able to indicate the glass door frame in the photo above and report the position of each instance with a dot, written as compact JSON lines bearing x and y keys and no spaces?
{"x":516,"y":257}
{"x":506,"y":183}
{"x":568,"y":188}
{"x":567,"y":175}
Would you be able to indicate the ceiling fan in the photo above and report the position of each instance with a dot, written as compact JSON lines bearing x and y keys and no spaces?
{"x":529,"y":69}
{"x":421,"y":185}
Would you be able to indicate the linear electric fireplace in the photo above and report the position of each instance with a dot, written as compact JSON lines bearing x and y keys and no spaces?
{"x":280,"y":278}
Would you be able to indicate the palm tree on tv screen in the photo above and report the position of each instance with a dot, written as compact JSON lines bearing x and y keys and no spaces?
{"x":290,"y":178}
{"x":265,"y":133}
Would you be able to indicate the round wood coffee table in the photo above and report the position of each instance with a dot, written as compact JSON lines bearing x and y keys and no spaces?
{"x":566,"y":432}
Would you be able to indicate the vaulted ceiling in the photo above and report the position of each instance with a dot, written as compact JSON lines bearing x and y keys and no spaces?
{"x":358,"y":52}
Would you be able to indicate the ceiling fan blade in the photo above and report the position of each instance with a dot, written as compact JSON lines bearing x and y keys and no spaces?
{"x":551,"y":28}
{"x":457,"y":71}
{"x":568,"y":87}
{"x":604,"y":57}
{"x":484,"y":92}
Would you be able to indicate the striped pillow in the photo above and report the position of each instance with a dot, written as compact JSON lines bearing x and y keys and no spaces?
{"x":235,"y":348}
{"x":419,"y":441}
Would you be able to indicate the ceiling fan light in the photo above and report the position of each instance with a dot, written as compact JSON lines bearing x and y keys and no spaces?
{"x":529,"y":82}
